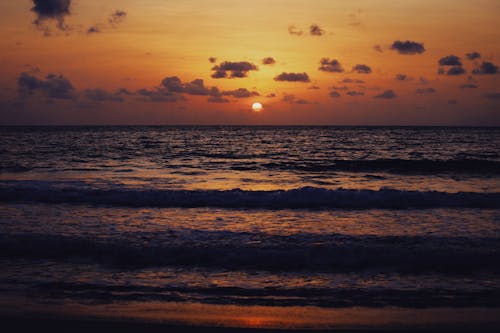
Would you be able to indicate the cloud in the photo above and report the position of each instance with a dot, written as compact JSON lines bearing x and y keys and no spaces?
{"x":402,"y":77}
{"x":160,"y":95}
{"x":93,"y":30}
{"x":292,"y":30}
{"x":314,"y":88}
{"x":334,"y":94}
{"x":423,"y":91}
{"x":493,"y":96}
{"x":473,"y":55}
{"x":315,"y":30}
{"x":52,"y":86}
{"x":486,"y":68}
{"x":217,"y":99}
{"x":452,"y":71}
{"x":451,"y":60}
{"x":388,"y":94}
{"x":212,"y":60}
{"x":289,"y":98}
{"x":229,"y":69}
{"x":332,"y":66}
{"x":268,"y":61}
{"x":174,"y":85}
{"x":117,"y":17}
{"x":355,"y":93}
{"x":271,"y":95}
{"x":340,"y":88}
{"x":378,"y":48}
{"x":348,"y":80}
{"x":362,"y":69}
{"x":240,"y":93}
{"x":101,"y":95}
{"x":469,"y":86}
{"x":51,"y":10}
{"x":408,"y":47}
{"x":293,"y":77}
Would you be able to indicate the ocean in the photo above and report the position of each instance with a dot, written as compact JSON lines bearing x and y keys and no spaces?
{"x":323,"y":218}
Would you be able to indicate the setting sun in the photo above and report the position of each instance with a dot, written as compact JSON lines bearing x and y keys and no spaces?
{"x":256,"y":106}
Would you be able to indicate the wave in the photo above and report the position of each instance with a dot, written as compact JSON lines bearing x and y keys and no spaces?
{"x":331,"y":253}
{"x":301,"y":198}
{"x":399,"y":166}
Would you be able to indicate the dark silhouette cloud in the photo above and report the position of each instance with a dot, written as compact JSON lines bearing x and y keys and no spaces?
{"x":402,"y":77}
{"x":315,"y":30}
{"x":334,"y":94}
{"x":332,"y":66}
{"x":174,"y":85}
{"x":494,"y":96}
{"x":271,"y":95}
{"x":93,"y":30}
{"x":268,"y":61}
{"x":52,"y":86}
{"x":117,"y":17}
{"x":293,"y":77}
{"x":355,"y":93}
{"x":51,"y":10}
{"x":388,"y":94}
{"x":473,"y":55}
{"x":212,"y":60}
{"x":452,"y":71}
{"x":314,"y":88}
{"x":348,"y":80}
{"x":423,"y":91}
{"x":451,"y":60}
{"x":160,"y":95}
{"x":229,"y":69}
{"x":408,"y":47}
{"x":101,"y":95}
{"x":217,"y":99}
{"x":289,"y":98}
{"x":362,"y":69}
{"x":378,"y":48}
{"x":486,"y":68}
{"x":469,"y":86}
{"x":292,"y":30}
{"x":240,"y":93}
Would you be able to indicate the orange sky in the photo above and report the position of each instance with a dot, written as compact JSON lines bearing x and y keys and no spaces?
{"x":157,"y":39}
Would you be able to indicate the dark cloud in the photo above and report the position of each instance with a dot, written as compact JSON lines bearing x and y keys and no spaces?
{"x":117,"y":17}
{"x":362,"y":69}
{"x":212,"y":60}
{"x":469,"y":86}
{"x":101,"y":95}
{"x":174,"y":85}
{"x":268,"y":61}
{"x":378,"y":48}
{"x":453,"y":71}
{"x":402,"y":77}
{"x":334,"y":94}
{"x":340,"y":88}
{"x":355,"y":93}
{"x":315,"y":30}
{"x":332,"y":66}
{"x":51,"y":10}
{"x":314,"y":88}
{"x":271,"y":95}
{"x":451,"y":60}
{"x":93,"y":30}
{"x":289,"y":98}
{"x":229,"y":69}
{"x":217,"y":99}
{"x":473,"y":55}
{"x":486,"y":68}
{"x":494,"y":96}
{"x":160,"y":95}
{"x":388,"y":94}
{"x":348,"y":80}
{"x":240,"y":93}
{"x":293,"y":77}
{"x":292,"y":30}
{"x":408,"y":47}
{"x":124,"y":91}
{"x":424,"y":91}
{"x":52,"y":86}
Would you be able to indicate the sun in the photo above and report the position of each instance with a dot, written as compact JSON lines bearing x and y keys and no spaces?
{"x":257,"y":106}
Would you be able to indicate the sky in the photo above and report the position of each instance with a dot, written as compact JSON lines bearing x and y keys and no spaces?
{"x":315,"y":62}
